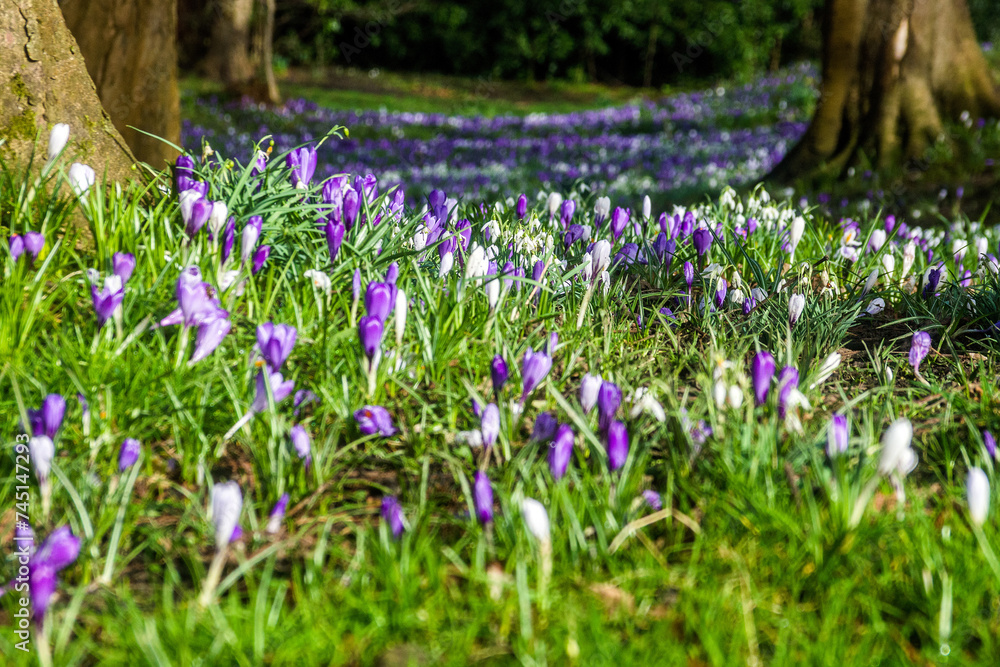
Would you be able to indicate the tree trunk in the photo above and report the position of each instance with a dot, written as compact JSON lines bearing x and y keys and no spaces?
{"x":893,"y":70}
{"x":44,"y":81}
{"x":241,"y":52}
{"x":130,"y":48}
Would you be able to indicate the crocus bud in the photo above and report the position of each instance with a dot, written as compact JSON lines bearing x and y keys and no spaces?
{"x":47,"y":420}
{"x":762,"y":369}
{"x":590,"y":387}
{"x":277,"y":515}
{"x":250,"y":236}
{"x":227,"y":503}
{"x":370,"y":333}
{"x":653,"y":499}
{"x":796,"y":304}
{"x":702,"y":239}
{"x":402,"y":306}
{"x":534,"y":368}
{"x":609,"y":397}
{"x":374,"y":419}
{"x":301,"y":443}
{"x":129,"y":454}
{"x":57,"y":140}
{"x":920,"y":346}
{"x":689,"y":275}
{"x":16,"y":245}
{"x":991,"y":444}
{"x":483,"y":495}
{"x":647,"y":207}
{"x":490,"y":424}
{"x":334,"y":238}
{"x":522,"y":207}
{"x":536,"y":519}
{"x":619,"y":221}
{"x":42,"y":451}
{"x":837,"y":436}
{"x":897,"y":456}
{"x":392,"y":514}
{"x":617,"y":445}
{"x":554,"y":203}
{"x":217,"y":218}
{"x":561,"y":451}
{"x":123,"y":264}
{"x":498,"y":373}
{"x":81,"y":178}
{"x":260,"y":257}
{"x":356,"y":285}
{"x":977,"y":490}
{"x":378,"y":300}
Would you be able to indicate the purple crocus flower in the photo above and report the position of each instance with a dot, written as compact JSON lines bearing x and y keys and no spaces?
{"x":522,"y":207}
{"x":107,"y":300}
{"x":280,"y":389}
{"x":16,"y":245}
{"x":788,"y":381}
{"x":991,"y":444}
{"x":762,"y":369}
{"x":374,"y":419}
{"x":260,"y":257}
{"x":477,"y":409}
{"x":250,"y":236}
{"x":609,"y":397}
{"x":702,"y":238}
{"x":334,"y":238}
{"x":228,"y":239}
{"x":277,"y":515}
{"x":352,"y":204}
{"x":195,"y":211}
{"x":276,"y":342}
{"x":482,"y":492}
{"x":378,"y":300}
{"x":919,"y":348}
{"x":720,"y":293}
{"x":302,"y":162}
{"x":617,"y":442}
{"x":498,"y":373}
{"x":128,"y":454}
{"x":838,"y":436}
{"x":356,"y":285}
{"x":933,"y":278}
{"x":370,"y":332}
{"x":210,"y":336}
{"x":619,"y":221}
{"x":302,"y":443}
{"x":57,"y":552}
{"x":567,"y":211}
{"x":47,"y":419}
{"x":561,"y":451}
{"x":123,"y":264}
{"x":534,"y":368}
{"x":490,"y":424}
{"x":545,"y":427}
{"x":33,"y":243}
{"x":392,"y":513}
{"x":689,"y":275}
{"x":653,"y":499}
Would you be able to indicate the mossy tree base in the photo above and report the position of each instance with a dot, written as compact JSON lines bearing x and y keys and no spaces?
{"x":44,"y":81}
{"x":893,"y":71}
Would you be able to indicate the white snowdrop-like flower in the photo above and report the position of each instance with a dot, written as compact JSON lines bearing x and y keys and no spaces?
{"x":477,"y":264}
{"x":830,"y":364}
{"x":977,"y":490}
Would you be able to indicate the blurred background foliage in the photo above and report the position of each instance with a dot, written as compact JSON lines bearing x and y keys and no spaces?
{"x":635,"y":42}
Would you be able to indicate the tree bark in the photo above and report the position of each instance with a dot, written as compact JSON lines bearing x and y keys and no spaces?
{"x":130,"y":49}
{"x":240,"y":55}
{"x":893,"y":71}
{"x":44,"y":81}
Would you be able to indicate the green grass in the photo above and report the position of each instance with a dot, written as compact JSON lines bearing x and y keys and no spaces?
{"x":757,"y":560}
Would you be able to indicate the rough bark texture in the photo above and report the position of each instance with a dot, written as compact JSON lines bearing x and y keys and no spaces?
{"x":893,"y":70}
{"x":44,"y":81}
{"x":130,"y":49}
{"x":240,"y":55}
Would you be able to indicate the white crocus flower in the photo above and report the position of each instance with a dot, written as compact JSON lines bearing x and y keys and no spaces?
{"x":477,"y":265}
{"x":603,"y":207}
{"x":720,"y":392}
{"x":590,"y":386}
{"x":876,"y":306}
{"x":876,"y":240}
{"x":888,"y":263}
{"x":227,"y":502}
{"x":42,"y":451}
{"x":647,"y":207}
{"x":493,"y":292}
{"x":217,"y":218}
{"x":870,"y":283}
{"x":319,"y":279}
{"x":601,"y":257}
{"x":909,"y":255}
{"x":735,"y":396}
{"x":81,"y":178}
{"x":447,"y":262}
{"x":796,"y":304}
{"x":644,"y":401}
{"x":57,"y":140}
{"x":536,"y":519}
{"x":830,"y":364}
{"x":897,"y":456}
{"x":399,"y":312}
{"x":977,"y":489}
{"x":554,"y":204}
